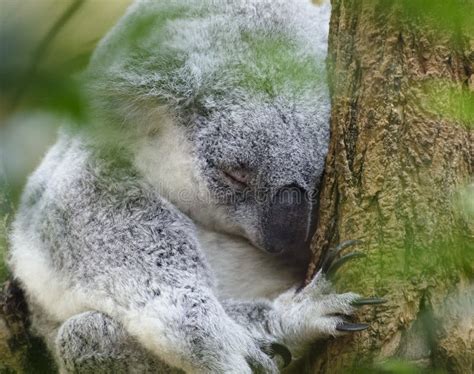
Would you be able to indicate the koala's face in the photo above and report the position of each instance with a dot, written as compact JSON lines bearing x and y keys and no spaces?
{"x":262,"y":165}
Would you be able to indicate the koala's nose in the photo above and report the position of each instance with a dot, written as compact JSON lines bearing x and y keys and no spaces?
{"x":286,"y":223}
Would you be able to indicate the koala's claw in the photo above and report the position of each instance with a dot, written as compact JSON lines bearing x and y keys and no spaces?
{"x":262,"y":363}
{"x":351,"y":327}
{"x":368,"y":301}
{"x":332,"y":253}
{"x":282,"y":351}
{"x":337,"y":264}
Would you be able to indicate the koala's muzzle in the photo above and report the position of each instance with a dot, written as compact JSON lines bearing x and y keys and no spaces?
{"x":287,"y":222}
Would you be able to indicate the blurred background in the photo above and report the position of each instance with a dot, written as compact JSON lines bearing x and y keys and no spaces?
{"x":43,"y":45}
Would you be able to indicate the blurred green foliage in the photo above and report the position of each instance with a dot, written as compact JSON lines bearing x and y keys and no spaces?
{"x":26,"y":83}
{"x":27,"y":80}
{"x":394,"y":367}
{"x":277,"y":66}
{"x":43,"y":45}
{"x":446,"y":15}
{"x":450,"y":101}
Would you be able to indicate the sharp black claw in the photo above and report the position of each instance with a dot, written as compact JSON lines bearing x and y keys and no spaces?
{"x":282,"y":351}
{"x":368,"y":301}
{"x":337,"y":264}
{"x":347,"y":243}
{"x":332,"y":253}
{"x":351,"y":327}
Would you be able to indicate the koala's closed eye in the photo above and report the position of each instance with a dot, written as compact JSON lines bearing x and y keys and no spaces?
{"x":237,"y":177}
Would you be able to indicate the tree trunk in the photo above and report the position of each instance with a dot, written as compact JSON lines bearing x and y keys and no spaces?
{"x":397,"y":177}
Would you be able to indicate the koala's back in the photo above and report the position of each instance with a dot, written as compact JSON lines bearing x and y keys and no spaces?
{"x":32,"y":259}
{"x":55,"y":241}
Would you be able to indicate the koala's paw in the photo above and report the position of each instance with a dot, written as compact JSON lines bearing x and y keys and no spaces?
{"x":241,"y":353}
{"x":316,"y":312}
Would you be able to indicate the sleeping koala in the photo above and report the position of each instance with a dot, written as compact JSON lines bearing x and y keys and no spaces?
{"x":178,"y":239}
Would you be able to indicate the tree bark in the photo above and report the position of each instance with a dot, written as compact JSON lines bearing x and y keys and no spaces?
{"x":397,"y":176}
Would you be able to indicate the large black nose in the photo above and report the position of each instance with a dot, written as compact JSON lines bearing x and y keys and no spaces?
{"x":286,"y":222}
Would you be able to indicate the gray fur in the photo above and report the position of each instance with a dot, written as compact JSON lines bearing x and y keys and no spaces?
{"x":150,"y":258}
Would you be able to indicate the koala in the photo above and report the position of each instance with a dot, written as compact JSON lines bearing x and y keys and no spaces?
{"x":171,"y":233}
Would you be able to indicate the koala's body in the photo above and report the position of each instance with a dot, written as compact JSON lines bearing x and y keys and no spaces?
{"x":178,"y":247}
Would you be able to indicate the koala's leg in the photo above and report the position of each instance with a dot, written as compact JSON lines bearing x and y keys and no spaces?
{"x":92,"y":342}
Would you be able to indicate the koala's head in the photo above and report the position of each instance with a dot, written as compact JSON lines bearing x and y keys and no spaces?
{"x":263,"y":162}
{"x":232,"y":107}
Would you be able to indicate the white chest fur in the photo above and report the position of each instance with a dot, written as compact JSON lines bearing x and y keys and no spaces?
{"x":244,"y":272}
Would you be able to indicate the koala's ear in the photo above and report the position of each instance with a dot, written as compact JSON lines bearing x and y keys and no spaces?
{"x":131,"y":78}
